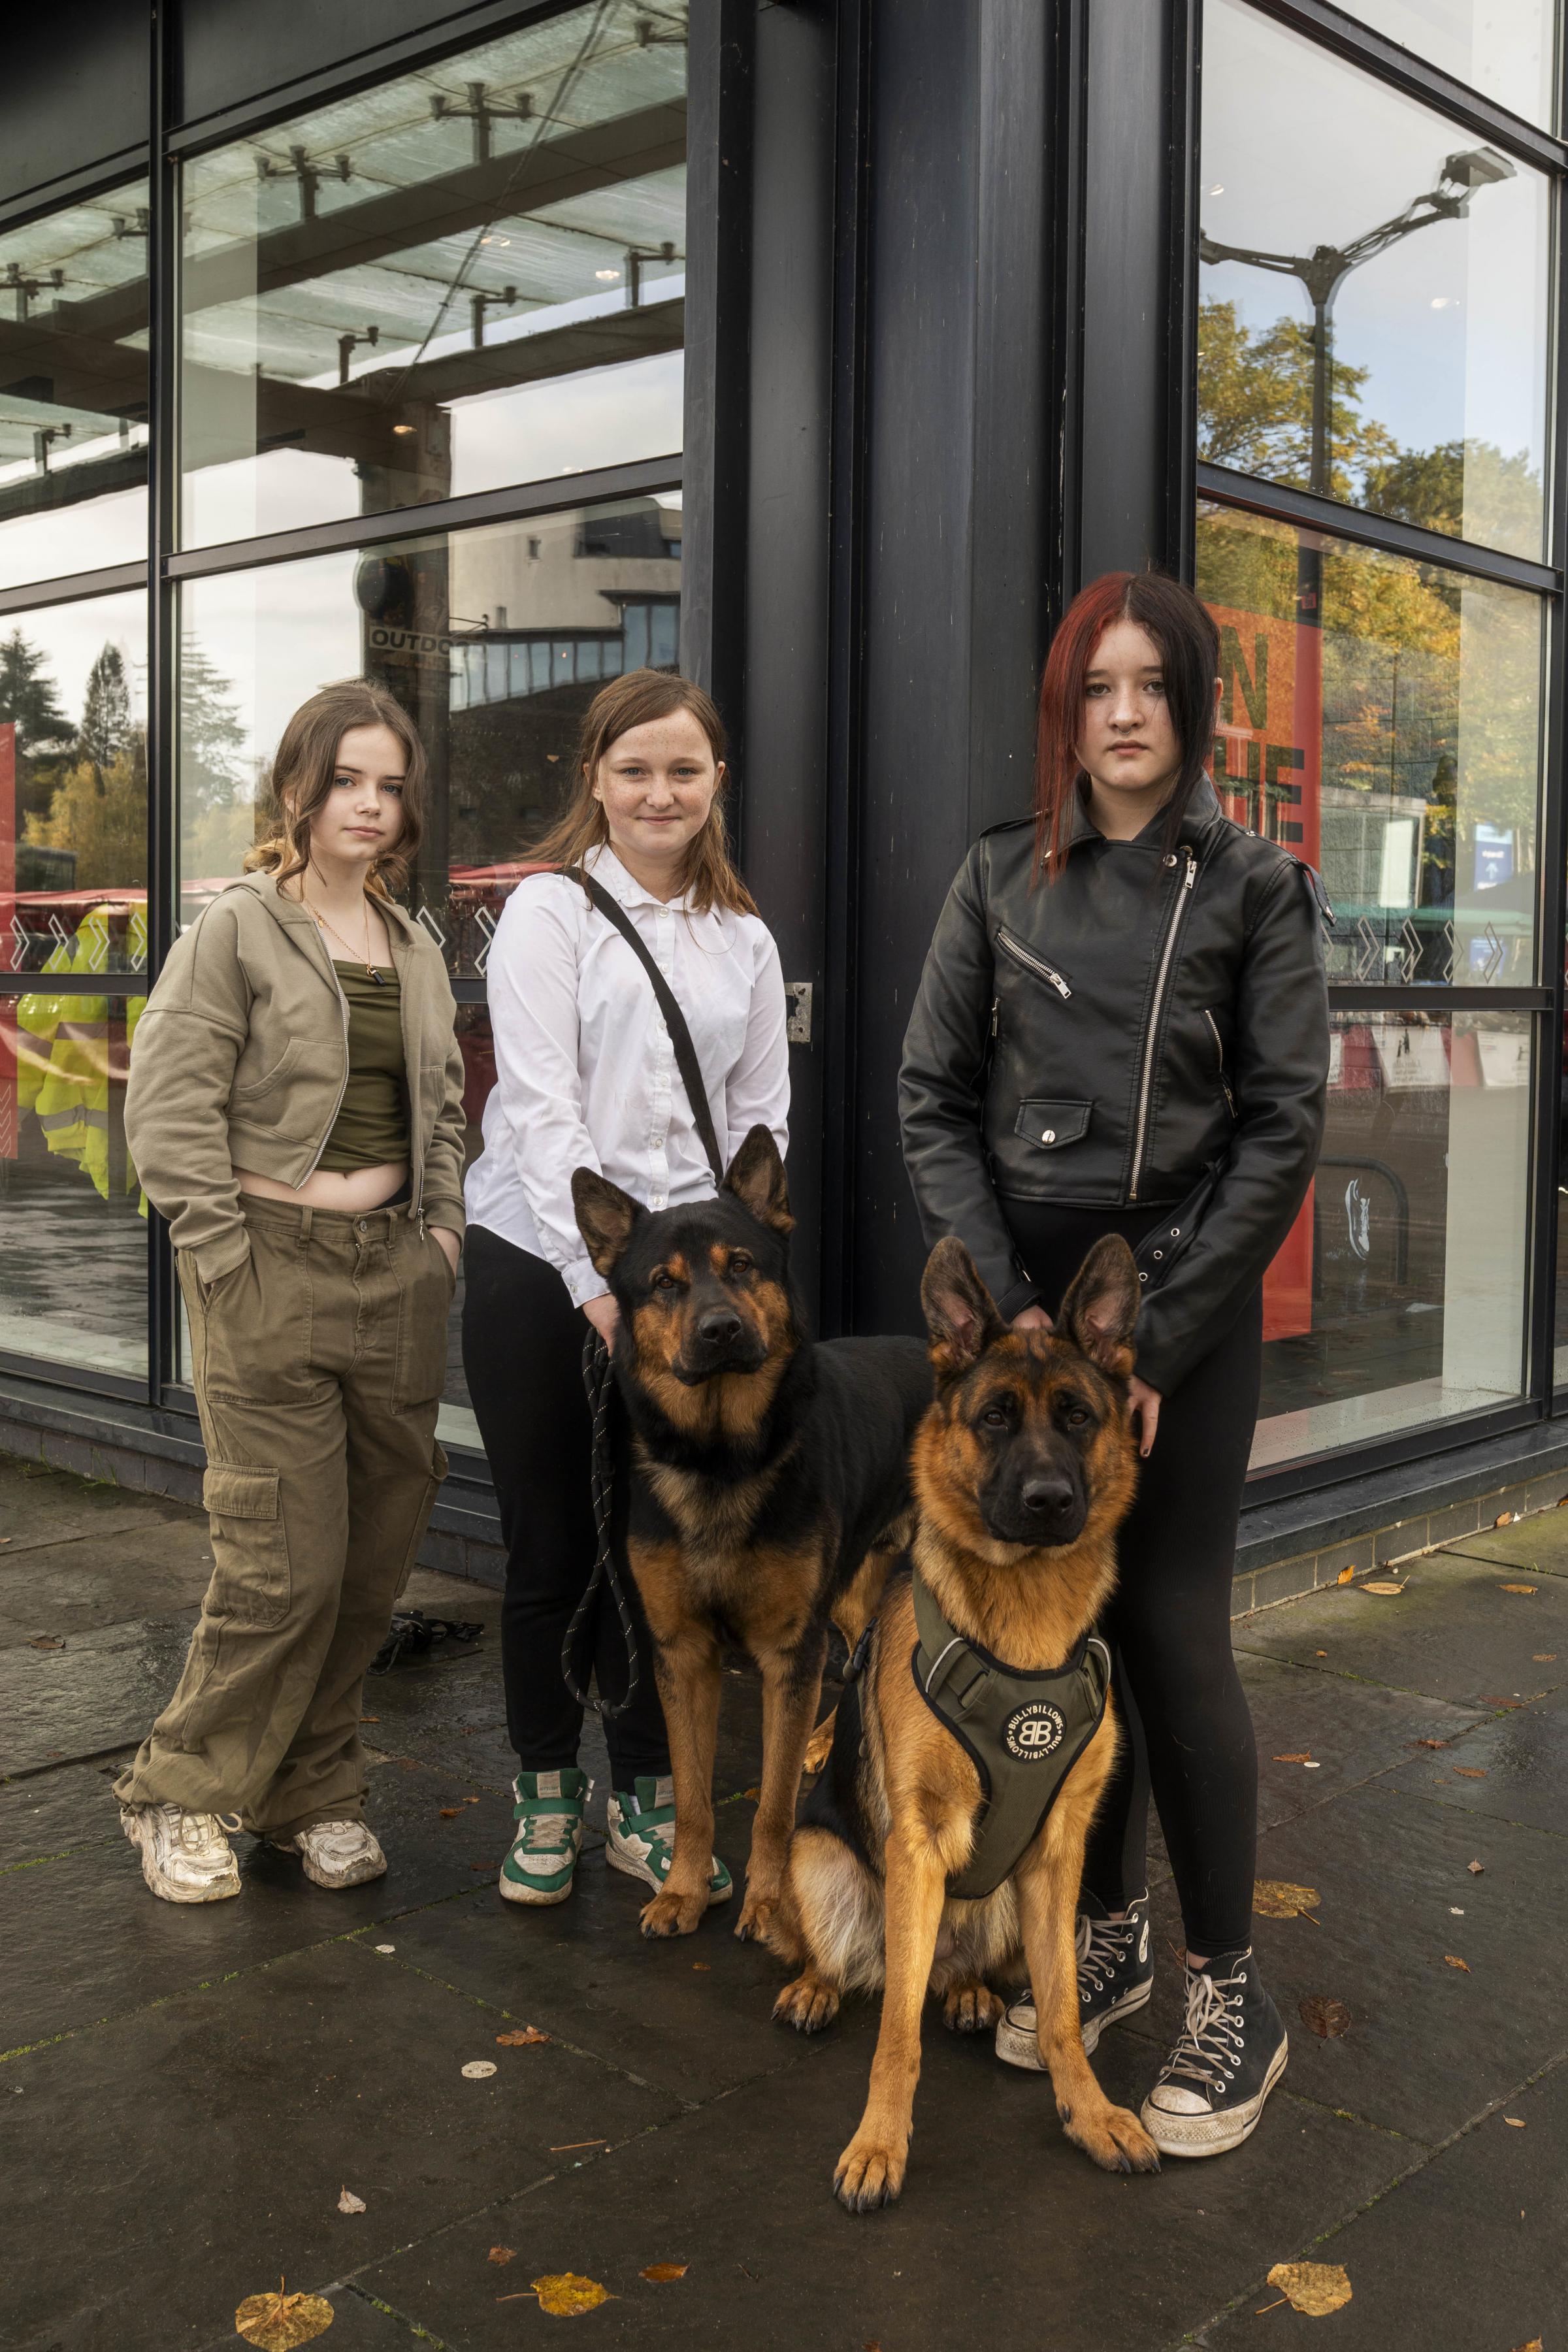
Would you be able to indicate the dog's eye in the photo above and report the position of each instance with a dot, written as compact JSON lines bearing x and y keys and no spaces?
{"x":1077,"y":1418}
{"x":995,"y":1416}
{"x":665,"y":1281}
{"x":741,"y":1262}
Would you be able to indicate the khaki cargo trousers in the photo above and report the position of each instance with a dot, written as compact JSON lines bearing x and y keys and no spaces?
{"x":318,"y":1364}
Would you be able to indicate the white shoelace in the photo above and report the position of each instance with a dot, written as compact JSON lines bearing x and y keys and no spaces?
{"x":1211,"y":2037}
{"x":1103,"y":1945}
{"x":547,"y":1832}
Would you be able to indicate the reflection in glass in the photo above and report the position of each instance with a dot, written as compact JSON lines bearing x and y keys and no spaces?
{"x":1505,"y":48}
{"x":495,"y":641}
{"x":471,"y":276}
{"x":1374,"y":318}
{"x":1399,"y":1296}
{"x":1384,"y":718}
{"x":73,"y":389}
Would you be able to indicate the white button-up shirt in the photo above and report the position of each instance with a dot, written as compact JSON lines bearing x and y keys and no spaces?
{"x":585,"y":1073}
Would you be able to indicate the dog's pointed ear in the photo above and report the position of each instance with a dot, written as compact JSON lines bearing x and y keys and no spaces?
{"x":960,"y":1312}
{"x":756,"y":1177}
{"x":1101,"y":1306}
{"x":606,"y":1216}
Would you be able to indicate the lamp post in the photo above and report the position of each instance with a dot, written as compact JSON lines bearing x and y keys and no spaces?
{"x":1322,"y":272}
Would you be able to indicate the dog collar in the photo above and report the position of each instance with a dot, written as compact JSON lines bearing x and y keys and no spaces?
{"x":1023,"y":1732}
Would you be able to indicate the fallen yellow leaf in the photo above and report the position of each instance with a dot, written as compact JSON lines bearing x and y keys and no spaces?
{"x":1383,"y":1586}
{"x":703,"y":1968}
{"x":1519,"y":1588}
{"x":1304,"y":1758}
{"x":661,"y":2271}
{"x":566,"y":2294}
{"x":1453,"y":1962}
{"x":1470,"y":1771}
{"x":1543,"y":1658}
{"x":1314,"y":2288}
{"x":1475,"y":1868}
{"x":523,"y":2039}
{"x":450,"y":1812}
{"x":502,"y":2253}
{"x":1534,"y":2343}
{"x":1326,"y":2018}
{"x":1277,"y":1898}
{"x":1345,"y":1576}
{"x":1514,"y":2123}
{"x":1503,"y":1519}
{"x":277,"y":2323}
{"x":349,"y":2203}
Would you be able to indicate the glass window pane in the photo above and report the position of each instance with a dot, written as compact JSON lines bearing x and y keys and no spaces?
{"x":73,"y":406}
{"x":1398,"y":1299}
{"x":471,"y":276}
{"x":1375,"y":316}
{"x":73,"y":867}
{"x":1506,"y":48}
{"x":254,"y":645}
{"x":1397,"y":746}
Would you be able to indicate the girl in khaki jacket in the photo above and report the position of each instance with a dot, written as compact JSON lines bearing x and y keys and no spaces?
{"x":295,"y":1110}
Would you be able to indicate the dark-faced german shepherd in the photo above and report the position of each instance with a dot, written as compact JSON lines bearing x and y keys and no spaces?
{"x":769,"y":1487}
{"x":1024,"y":1469}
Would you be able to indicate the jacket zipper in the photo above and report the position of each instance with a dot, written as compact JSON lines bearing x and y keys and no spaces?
{"x":1219,"y":1054}
{"x":1151,"y":1033}
{"x":1032,"y":962}
{"x":327,"y":1131}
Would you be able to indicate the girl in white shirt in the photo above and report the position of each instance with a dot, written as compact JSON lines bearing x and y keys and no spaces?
{"x":586,"y":1078}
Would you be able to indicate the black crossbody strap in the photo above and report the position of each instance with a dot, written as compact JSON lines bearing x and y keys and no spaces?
{"x":686,"y":1060}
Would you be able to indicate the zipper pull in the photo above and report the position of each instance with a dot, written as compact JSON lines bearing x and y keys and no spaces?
{"x":1192,"y":872}
{"x":995,"y":1015}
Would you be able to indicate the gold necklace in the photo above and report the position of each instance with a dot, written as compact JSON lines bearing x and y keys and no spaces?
{"x":370,"y":971}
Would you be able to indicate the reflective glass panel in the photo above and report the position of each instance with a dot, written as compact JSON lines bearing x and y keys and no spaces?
{"x":1383,"y":718}
{"x":1375,"y":318}
{"x":1505,"y":48}
{"x":73,"y":852}
{"x":1399,"y":1296}
{"x":471,"y":276}
{"x":73,"y":389}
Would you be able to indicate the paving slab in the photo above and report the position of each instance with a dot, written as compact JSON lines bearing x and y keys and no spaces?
{"x":51,"y":1813}
{"x":84,"y":1940}
{"x":1430,"y":2046}
{"x":1468,"y":2254}
{"x":99,"y":1692}
{"x":110,"y":1578}
{"x":1522,"y":1759}
{"x":335,"y":2067}
{"x":692,"y":2013}
{"x":1453,"y":1632}
{"x":1006,"y":2236}
{"x":1349,"y":1731}
{"x":44,"y":1506}
{"x":1540,"y":1541}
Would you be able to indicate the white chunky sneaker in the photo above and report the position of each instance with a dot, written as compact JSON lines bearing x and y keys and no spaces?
{"x":185,"y":1857}
{"x":542,"y":1862}
{"x":642,"y":1837}
{"x":1115,"y":1977}
{"x":336,"y":1853}
{"x":1228,"y":2057}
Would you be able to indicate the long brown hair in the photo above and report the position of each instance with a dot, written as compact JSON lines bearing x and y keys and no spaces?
{"x":625,"y":703}
{"x":1189,"y":655}
{"x":301,"y":778}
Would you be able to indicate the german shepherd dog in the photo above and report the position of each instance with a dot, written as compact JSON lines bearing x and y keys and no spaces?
{"x":1023,"y":1468}
{"x":769,"y":1487}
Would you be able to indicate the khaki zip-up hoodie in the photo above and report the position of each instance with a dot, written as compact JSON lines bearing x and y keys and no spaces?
{"x":241,"y":1058}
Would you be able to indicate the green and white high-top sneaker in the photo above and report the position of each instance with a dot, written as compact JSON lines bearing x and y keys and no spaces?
{"x":642,"y":1837}
{"x":549,"y":1814}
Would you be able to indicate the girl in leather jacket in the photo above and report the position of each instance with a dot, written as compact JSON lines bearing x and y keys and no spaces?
{"x":1122,"y":1026}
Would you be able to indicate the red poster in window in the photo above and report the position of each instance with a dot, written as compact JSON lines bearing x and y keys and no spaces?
{"x":1268,"y":760}
{"x":7,"y":911}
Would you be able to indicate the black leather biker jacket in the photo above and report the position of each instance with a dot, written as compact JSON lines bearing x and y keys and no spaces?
{"x":1100,"y":1039}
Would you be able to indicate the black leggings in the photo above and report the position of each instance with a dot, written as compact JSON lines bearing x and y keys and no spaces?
{"x":522,"y":1355}
{"x":1191,"y":1739}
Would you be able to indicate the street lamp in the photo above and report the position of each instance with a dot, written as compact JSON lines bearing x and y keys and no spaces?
{"x":1322,"y":272}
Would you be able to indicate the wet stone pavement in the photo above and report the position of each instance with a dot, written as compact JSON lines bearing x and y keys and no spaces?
{"x":184,"y":2094}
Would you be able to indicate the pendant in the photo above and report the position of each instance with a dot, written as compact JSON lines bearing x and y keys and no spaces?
{"x":370,"y":973}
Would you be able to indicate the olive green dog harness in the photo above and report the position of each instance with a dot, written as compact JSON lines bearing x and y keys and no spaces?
{"x":1023,"y":1733}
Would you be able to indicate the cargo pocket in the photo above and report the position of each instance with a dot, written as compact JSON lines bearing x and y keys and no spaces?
{"x":422,"y":1518}
{"x":250,"y":1545}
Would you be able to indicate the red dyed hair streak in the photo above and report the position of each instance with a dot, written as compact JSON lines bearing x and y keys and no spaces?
{"x":1188,"y":644}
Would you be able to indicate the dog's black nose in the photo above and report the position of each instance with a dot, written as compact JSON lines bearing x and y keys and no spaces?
{"x":721,"y":1328}
{"x":1046,"y":1499}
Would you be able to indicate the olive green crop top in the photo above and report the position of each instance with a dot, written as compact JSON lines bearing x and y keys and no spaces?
{"x":372,"y":1126}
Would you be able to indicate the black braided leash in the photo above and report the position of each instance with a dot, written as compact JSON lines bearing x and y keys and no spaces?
{"x":599,"y":1380}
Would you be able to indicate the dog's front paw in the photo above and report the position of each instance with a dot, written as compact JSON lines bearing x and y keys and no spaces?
{"x":1114,"y":2138}
{"x":808,"y":2005}
{"x":757,"y":1915}
{"x":971,"y":2008}
{"x":820,"y":1745}
{"x":673,"y":1915}
{"x":868,"y":2175}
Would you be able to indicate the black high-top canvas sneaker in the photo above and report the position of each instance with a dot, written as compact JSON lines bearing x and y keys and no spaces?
{"x":1115,"y":1976}
{"x":1227,"y":2058}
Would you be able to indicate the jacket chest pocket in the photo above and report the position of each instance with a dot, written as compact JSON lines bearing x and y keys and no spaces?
{"x":1027,"y":959}
{"x":1050,"y":1123}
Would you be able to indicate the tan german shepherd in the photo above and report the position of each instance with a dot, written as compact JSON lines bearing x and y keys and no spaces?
{"x":1023,"y":1470}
